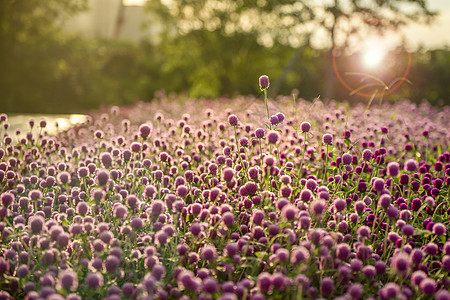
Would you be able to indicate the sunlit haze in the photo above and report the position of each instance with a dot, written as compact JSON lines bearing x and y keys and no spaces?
{"x":134,"y":2}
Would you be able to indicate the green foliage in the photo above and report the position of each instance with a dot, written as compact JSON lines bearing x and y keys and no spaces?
{"x":46,"y":70}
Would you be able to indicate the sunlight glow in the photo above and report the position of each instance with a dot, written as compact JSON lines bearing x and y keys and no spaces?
{"x":134,"y":2}
{"x":373,"y":57}
{"x":373,"y":53}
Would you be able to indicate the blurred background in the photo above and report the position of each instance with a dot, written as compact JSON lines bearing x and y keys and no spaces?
{"x":72,"y":56}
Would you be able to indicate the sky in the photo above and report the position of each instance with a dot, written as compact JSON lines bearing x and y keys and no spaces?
{"x":435,"y":36}
{"x":430,"y":37}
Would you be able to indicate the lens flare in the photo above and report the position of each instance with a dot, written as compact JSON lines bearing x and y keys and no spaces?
{"x":373,"y":57}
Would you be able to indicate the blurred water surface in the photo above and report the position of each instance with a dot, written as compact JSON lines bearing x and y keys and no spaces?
{"x":19,"y":124}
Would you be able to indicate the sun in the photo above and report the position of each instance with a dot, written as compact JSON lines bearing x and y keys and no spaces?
{"x":373,"y":57}
{"x":373,"y":52}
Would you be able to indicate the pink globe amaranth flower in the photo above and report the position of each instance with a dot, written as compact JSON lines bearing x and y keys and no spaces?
{"x":264,"y":82}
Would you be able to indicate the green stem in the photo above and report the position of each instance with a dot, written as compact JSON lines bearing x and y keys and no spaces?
{"x":267,"y":105}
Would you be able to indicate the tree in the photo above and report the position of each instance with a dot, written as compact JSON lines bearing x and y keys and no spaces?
{"x":30,"y":35}
{"x":287,"y":22}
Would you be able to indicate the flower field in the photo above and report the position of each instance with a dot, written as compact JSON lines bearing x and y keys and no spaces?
{"x":230,"y":199}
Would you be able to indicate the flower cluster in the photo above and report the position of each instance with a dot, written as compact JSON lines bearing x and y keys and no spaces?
{"x":185,"y":205}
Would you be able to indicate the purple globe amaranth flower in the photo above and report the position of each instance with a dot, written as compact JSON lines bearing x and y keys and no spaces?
{"x":393,"y":169}
{"x":347,"y":134}
{"x":94,"y":280}
{"x":389,"y":291}
{"x":233,"y":120}
{"x":428,"y":285}
{"x":442,"y":295}
{"x":364,"y":231}
{"x":145,"y":130}
{"x":318,"y":207}
{"x":228,"y":219}
{"x":274,"y":120}
{"x":327,"y":139}
{"x":208,"y":252}
{"x":264,"y":82}
{"x":367,"y":154}
{"x":281,"y":117}
{"x":102,"y":177}
{"x":439,"y":229}
{"x":273,"y":137}
{"x":347,"y":158}
{"x":36,"y":224}
{"x":67,"y":280}
{"x":432,"y":248}
{"x":355,"y":290}
{"x":417,"y":277}
{"x":305,"y":126}
{"x":327,"y":286}
{"x":264,"y":282}
{"x":106,"y":159}
{"x":259,"y":133}
{"x":384,"y":201}
{"x":411,"y":165}
{"x":401,"y":262}
{"x":378,"y":184}
{"x":408,"y":230}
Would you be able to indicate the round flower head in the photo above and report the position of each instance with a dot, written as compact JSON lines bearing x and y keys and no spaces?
{"x":347,"y":134}
{"x":318,"y":206}
{"x":327,"y":138}
{"x":264,"y":82}
{"x":355,"y":290}
{"x":439,"y":229}
{"x":347,"y":158}
{"x":305,"y":126}
{"x":428,"y":285}
{"x":274,"y":120}
{"x":233,"y":120}
{"x":94,"y":280}
{"x":102,"y":177}
{"x":281,"y":117}
{"x":411,"y":165}
{"x":68,"y":280}
{"x":327,"y":286}
{"x":393,"y":169}
{"x":7,"y":199}
{"x":259,"y":133}
{"x":401,"y":262}
{"x":145,"y":130}
{"x":367,"y":155}
{"x":36,"y":224}
{"x":208,"y":252}
{"x":273,"y":137}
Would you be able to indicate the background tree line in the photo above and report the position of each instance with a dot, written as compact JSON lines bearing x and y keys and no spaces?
{"x":204,"y":50}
